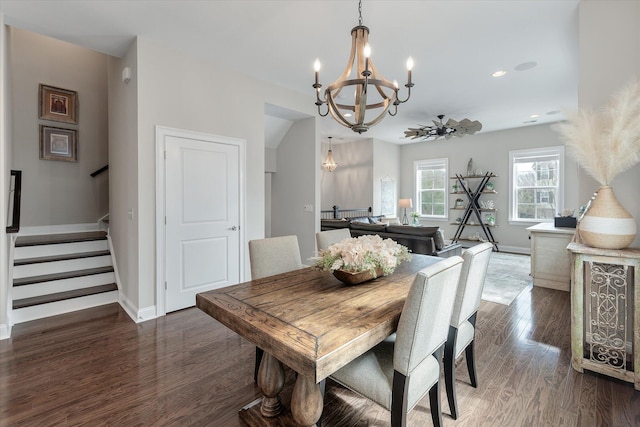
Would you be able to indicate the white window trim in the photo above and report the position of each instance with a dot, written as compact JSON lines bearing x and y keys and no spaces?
{"x":542,"y":151}
{"x":427,"y":162}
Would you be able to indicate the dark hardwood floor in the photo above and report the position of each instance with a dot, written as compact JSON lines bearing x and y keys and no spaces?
{"x":97,"y":367}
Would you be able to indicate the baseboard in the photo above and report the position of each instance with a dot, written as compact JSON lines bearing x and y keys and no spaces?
{"x":137,"y":315}
{"x":5,"y":331}
{"x":148,"y":313}
{"x":55,"y":229}
{"x":515,"y":249}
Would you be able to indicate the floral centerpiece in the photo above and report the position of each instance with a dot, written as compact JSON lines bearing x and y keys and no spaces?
{"x":370,"y":254}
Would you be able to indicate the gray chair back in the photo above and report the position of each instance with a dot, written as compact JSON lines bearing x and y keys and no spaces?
{"x":324,"y":239}
{"x":424,"y":322}
{"x":274,"y":255}
{"x":474,"y":271}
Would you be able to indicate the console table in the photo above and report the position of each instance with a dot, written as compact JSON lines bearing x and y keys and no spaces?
{"x":605,"y":307}
{"x":550,"y":260}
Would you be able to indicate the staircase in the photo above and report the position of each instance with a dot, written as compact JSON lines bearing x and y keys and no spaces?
{"x":59,"y":273}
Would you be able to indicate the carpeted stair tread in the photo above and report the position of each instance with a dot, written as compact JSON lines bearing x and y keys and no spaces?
{"x":64,"y":257}
{"x":63,"y":275}
{"x":44,"y":299}
{"x":50,"y":239}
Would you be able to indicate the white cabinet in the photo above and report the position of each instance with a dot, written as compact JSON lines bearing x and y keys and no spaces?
{"x":550,"y":260}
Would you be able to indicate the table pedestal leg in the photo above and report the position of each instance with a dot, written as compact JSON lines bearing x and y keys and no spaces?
{"x":306,"y":401}
{"x":271,"y":382}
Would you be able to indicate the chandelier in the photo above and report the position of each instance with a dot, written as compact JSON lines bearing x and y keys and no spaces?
{"x":330,"y":164}
{"x":369,"y":95}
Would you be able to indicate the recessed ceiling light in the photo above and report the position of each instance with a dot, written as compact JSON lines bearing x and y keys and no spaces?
{"x":499,"y":73}
{"x":534,"y":116}
{"x":551,"y":113}
{"x":525,"y":66}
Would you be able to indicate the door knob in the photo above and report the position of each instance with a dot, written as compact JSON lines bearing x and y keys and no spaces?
{"x":234,"y":228}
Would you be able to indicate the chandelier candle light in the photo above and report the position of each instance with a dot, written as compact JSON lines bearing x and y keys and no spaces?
{"x":372,"y":92}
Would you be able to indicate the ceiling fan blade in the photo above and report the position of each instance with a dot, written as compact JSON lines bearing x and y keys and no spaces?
{"x":471,"y":127}
{"x":476,"y":126}
{"x":447,"y":130}
{"x":452,"y":123}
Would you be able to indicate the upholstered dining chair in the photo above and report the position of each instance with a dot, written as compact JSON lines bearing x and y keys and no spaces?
{"x":463,"y":319}
{"x":271,"y":256}
{"x":324,"y":239}
{"x":396,"y":374}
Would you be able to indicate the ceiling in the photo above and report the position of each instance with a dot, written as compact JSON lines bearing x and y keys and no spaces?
{"x":456,"y":46}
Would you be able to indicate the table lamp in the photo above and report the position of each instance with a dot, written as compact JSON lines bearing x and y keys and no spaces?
{"x":405,"y":203}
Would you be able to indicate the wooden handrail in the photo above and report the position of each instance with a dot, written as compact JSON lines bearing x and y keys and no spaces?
{"x":99,"y":171}
{"x":14,"y":202}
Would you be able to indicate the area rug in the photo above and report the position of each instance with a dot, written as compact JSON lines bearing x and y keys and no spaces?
{"x":507,"y":276}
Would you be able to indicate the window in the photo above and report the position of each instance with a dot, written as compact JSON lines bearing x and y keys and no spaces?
{"x":431,"y":187}
{"x":536,"y":184}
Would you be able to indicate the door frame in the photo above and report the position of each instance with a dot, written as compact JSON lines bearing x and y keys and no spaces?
{"x":162,"y":133}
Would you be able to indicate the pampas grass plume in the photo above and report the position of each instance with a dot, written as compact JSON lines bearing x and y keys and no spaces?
{"x":607,"y":142}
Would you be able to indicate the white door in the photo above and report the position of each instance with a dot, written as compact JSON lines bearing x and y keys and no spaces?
{"x":202,"y":243}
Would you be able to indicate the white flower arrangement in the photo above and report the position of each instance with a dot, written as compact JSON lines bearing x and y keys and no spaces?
{"x":362,"y":253}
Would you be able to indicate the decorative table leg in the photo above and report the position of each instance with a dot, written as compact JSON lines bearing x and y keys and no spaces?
{"x":271,"y":382}
{"x":306,"y":401}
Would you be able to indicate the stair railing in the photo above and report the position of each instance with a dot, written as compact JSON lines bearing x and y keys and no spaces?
{"x":15,"y":190}
{"x":99,"y":171}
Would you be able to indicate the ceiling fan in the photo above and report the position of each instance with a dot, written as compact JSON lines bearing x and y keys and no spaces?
{"x":447,"y":130}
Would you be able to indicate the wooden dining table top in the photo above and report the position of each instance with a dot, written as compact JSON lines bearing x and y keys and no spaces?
{"x":311,"y":321}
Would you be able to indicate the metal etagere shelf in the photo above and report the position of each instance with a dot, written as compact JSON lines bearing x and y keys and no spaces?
{"x":473,"y":206}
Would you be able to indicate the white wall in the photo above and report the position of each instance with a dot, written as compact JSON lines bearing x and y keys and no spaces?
{"x":270,"y":155}
{"x":290,"y":187}
{"x":386,"y":165}
{"x":5,"y":167}
{"x":350,"y":185}
{"x":356,"y":182}
{"x":57,"y":192}
{"x":609,"y":59}
{"x":327,"y":186}
{"x":123,"y":173}
{"x":490,"y":152}
{"x":181,"y":91}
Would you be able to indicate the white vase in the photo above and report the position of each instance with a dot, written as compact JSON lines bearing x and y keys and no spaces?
{"x":607,"y":224}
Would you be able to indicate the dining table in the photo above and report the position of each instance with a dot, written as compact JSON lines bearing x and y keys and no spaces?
{"x":311,"y":322}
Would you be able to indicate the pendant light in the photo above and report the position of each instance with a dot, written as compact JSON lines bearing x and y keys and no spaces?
{"x":330,"y":164}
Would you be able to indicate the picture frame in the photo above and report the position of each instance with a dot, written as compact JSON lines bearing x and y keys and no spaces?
{"x":57,"y":104}
{"x":58,"y":144}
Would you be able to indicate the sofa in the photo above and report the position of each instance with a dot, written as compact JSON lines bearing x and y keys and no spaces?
{"x":419,"y":240}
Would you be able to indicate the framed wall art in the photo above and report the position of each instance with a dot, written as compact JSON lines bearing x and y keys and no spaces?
{"x":387,"y":196}
{"x":60,"y":105}
{"x":58,"y":144}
